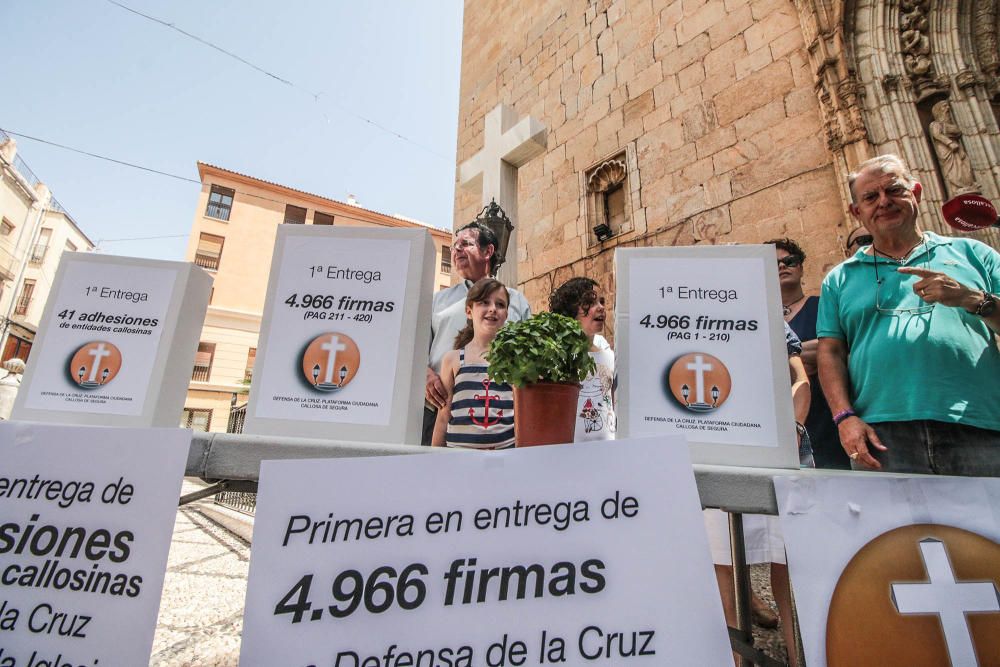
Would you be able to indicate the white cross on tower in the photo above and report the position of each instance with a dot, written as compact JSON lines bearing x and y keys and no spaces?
{"x":97,"y":353}
{"x":508,"y":143}
{"x":949,"y":599}
{"x":699,"y":367}
{"x":333,"y":346}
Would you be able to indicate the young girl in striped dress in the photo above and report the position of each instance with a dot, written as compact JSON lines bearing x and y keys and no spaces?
{"x":479,"y":412}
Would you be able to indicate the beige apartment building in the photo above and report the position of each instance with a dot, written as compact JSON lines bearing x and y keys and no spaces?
{"x":232,"y":237}
{"x":35,"y":230}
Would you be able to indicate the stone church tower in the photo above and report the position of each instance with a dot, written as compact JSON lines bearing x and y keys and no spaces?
{"x":723,"y":121}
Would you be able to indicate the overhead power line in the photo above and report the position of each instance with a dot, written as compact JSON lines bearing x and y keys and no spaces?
{"x":100,"y":157}
{"x":143,"y":238}
{"x":208,"y":44}
{"x":277,"y":78}
{"x":146,"y":169}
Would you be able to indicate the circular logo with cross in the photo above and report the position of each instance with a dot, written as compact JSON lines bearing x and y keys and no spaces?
{"x":331,"y":361}
{"x":699,"y":382}
{"x":95,"y":364}
{"x":922,"y":595}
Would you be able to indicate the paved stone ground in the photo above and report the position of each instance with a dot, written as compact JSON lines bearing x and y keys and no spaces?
{"x":769,"y":641}
{"x":201,"y":612}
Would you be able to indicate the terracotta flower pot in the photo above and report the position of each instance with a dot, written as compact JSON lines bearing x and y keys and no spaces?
{"x":545,"y":413}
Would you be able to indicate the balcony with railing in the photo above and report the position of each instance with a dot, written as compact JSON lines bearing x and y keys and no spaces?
{"x":207,"y":261}
{"x":220,"y":211}
{"x":38,"y":253}
{"x":54,"y":205}
{"x":237,"y":417}
{"x":23,"y":303}
{"x":25,"y":171}
{"x":8,"y":262}
{"x":201,"y":373}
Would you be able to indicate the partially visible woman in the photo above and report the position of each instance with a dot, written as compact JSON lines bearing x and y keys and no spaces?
{"x":583,"y":299}
{"x":800,"y":313}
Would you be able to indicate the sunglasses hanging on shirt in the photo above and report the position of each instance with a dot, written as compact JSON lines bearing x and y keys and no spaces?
{"x":860,"y":241}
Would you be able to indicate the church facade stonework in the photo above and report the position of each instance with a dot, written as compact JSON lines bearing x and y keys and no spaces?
{"x":724,"y":121}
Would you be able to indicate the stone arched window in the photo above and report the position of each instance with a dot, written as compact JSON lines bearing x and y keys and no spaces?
{"x":610,"y":187}
{"x":607,"y":185}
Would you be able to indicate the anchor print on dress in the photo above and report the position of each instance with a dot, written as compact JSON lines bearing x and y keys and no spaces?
{"x":486,"y":398}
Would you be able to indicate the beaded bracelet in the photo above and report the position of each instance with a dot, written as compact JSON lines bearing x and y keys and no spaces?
{"x":842,"y":415}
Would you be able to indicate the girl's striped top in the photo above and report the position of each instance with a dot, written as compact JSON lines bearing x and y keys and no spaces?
{"x":482,"y":411}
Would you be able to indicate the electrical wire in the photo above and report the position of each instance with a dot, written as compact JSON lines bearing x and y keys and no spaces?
{"x":143,"y":238}
{"x":160,"y":173}
{"x":209,"y":45}
{"x":279,"y":79}
{"x":100,"y":157}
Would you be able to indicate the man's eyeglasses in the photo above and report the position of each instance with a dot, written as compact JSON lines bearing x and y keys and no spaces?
{"x":463,"y":244}
{"x":860,"y":240}
{"x":791,"y":261}
{"x":893,"y":191}
{"x":919,"y":310}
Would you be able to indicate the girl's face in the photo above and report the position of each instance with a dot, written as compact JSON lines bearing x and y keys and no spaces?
{"x":489,"y":314}
{"x":592,"y":319}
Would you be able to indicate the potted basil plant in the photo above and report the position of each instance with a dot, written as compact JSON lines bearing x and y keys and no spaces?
{"x":545,"y":358}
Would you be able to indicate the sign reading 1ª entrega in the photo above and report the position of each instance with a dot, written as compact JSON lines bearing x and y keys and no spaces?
{"x":338,"y":303}
{"x":701,"y":343}
{"x":116,"y":342}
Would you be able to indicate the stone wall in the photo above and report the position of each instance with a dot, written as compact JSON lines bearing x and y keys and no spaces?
{"x":715,"y":97}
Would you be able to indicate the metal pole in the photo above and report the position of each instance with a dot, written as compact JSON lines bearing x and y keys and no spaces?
{"x":741,"y":581}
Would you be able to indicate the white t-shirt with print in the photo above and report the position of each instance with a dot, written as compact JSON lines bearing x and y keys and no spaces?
{"x":595,"y":413}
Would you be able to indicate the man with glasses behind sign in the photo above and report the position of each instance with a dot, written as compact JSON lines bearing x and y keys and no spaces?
{"x":920,"y":391}
{"x":474,"y":256}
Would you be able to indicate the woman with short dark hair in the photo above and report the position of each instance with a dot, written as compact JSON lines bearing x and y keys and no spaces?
{"x":583,"y":299}
{"x":800,"y":313}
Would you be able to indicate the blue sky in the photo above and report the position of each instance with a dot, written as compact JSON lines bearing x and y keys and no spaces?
{"x":91,"y":75}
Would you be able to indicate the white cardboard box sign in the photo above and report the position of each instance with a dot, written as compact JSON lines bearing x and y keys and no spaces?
{"x":344,"y":336}
{"x":116,"y":343}
{"x":701,"y":351}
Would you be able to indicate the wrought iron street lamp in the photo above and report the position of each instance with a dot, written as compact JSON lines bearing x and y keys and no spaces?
{"x":494,"y":218}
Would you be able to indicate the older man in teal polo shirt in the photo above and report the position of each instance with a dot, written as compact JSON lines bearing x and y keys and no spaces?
{"x":908,"y":354}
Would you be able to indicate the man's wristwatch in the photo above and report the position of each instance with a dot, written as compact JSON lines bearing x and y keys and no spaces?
{"x":987,"y":306}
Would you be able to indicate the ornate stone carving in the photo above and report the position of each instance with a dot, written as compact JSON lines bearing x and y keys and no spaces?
{"x":890,"y":83}
{"x":831,"y":126}
{"x":916,"y":46}
{"x":947,"y":139}
{"x":984,"y":37}
{"x":606,"y":176}
{"x":967,"y":79}
{"x":850,"y":93}
{"x":711,"y":225}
